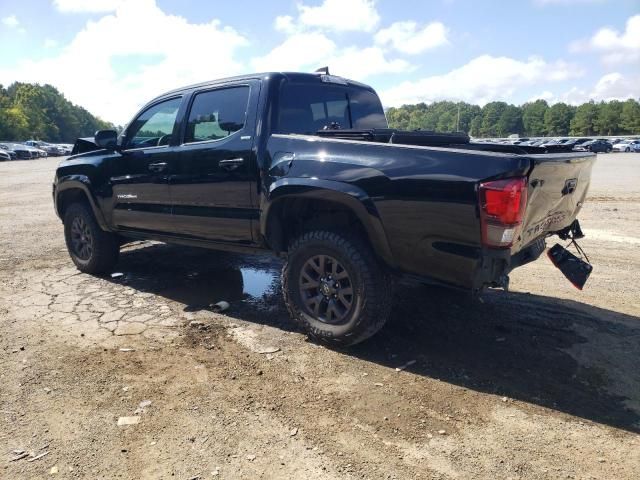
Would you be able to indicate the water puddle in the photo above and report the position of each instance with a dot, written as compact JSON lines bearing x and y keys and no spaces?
{"x":200,"y":289}
{"x":257,"y":283}
{"x":197,"y":280}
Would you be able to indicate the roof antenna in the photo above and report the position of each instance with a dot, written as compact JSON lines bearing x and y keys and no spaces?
{"x":324,"y":70}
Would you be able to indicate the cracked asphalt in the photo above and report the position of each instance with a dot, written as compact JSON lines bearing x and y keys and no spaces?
{"x":541,"y":382}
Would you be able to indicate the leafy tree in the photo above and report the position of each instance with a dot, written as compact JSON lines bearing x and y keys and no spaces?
{"x":476,"y":126}
{"x":630,"y":117}
{"x":491,"y":114}
{"x":533,"y":118}
{"x":608,"y":117}
{"x":557,"y":119}
{"x":41,"y":112}
{"x":510,"y":121}
{"x":585,"y":120}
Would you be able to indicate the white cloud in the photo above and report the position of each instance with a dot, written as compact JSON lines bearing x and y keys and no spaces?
{"x":107,"y":69}
{"x":300,"y":51}
{"x":339,"y":15}
{"x":408,"y":38}
{"x":11,"y":21}
{"x":90,"y":6}
{"x":612,"y":86}
{"x":307,"y":51}
{"x":546,"y":95}
{"x":50,"y":43}
{"x":360,"y":63}
{"x":285,"y":23}
{"x":615,"y":47}
{"x":483,"y":79}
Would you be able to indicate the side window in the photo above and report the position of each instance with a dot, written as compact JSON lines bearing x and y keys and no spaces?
{"x":154,"y":126}
{"x":217,"y":114}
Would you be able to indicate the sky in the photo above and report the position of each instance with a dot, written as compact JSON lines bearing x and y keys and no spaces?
{"x":112,"y":56}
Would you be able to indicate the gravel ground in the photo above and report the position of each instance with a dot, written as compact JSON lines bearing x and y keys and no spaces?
{"x":542,"y":382}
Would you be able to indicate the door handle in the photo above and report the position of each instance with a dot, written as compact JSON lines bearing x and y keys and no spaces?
{"x":231,"y":164}
{"x":158,"y":167}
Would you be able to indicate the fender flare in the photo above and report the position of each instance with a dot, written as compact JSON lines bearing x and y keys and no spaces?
{"x":350,"y":196}
{"x":82,"y":183}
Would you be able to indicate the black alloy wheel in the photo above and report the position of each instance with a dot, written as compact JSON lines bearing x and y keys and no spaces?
{"x":326,"y":289}
{"x":81,"y":239}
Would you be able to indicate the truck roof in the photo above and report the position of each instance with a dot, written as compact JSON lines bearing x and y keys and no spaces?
{"x":291,"y":76}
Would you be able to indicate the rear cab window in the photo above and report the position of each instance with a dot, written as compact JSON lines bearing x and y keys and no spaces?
{"x":305,"y":108}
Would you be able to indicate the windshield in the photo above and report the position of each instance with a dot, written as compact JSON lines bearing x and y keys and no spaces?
{"x":307,"y":108}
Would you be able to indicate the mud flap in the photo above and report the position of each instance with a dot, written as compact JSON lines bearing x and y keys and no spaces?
{"x":574,"y":268}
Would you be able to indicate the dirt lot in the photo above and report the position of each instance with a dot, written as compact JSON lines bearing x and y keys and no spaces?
{"x":542,"y":382}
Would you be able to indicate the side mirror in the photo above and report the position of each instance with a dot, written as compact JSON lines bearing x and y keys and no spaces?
{"x":106,"y":139}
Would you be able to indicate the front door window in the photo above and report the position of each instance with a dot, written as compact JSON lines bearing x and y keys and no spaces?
{"x":154,"y":126}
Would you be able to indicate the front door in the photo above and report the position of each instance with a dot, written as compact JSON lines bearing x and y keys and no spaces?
{"x":212,"y":178}
{"x":140,"y":176}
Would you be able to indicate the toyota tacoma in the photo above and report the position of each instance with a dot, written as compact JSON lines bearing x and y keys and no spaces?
{"x":305,"y":166}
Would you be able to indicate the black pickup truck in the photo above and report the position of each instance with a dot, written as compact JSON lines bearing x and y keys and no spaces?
{"x":305,"y":166}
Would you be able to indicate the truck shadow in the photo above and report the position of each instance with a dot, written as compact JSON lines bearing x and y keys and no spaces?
{"x":518,"y":345}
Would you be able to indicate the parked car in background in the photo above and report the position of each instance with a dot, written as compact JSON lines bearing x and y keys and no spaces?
{"x":22,"y":151}
{"x":4,"y":156}
{"x":50,"y":148}
{"x":12,"y":154}
{"x":596,"y":146}
{"x":626,"y":146}
{"x":66,"y":148}
{"x":36,"y":152}
{"x":577,"y":141}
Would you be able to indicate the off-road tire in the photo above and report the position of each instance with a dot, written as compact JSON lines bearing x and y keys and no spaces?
{"x":372,"y":287}
{"x":105,"y":246}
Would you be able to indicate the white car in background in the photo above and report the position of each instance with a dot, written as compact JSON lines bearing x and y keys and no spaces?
{"x":627,"y":146}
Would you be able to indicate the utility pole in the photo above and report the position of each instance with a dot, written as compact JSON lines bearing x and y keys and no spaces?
{"x":458,"y":119}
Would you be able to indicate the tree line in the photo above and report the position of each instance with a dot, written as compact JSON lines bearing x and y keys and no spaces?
{"x":41,"y":112}
{"x":532,"y":119}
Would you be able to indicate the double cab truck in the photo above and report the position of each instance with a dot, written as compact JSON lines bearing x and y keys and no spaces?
{"x":305,"y":166}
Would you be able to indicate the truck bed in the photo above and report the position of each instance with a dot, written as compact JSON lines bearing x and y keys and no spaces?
{"x":427,"y":138}
{"x":427,"y":196}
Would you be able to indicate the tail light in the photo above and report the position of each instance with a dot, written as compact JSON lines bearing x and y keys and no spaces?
{"x":502,"y":206}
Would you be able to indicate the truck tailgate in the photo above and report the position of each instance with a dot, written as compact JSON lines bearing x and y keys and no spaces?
{"x":557,"y":188}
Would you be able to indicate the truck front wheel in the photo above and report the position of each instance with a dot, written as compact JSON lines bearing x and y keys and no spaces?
{"x":335,"y":288}
{"x":92,"y":249}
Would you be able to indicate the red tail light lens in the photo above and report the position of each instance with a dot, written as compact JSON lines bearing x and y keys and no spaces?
{"x":502,"y":205}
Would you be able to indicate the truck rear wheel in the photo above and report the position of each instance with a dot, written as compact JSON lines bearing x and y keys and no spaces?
{"x":335,"y":288}
{"x":92,"y":249}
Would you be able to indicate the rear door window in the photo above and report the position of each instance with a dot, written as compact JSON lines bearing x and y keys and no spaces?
{"x":217,"y":114}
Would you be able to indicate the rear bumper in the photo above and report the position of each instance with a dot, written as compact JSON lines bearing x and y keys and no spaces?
{"x":495,"y":265}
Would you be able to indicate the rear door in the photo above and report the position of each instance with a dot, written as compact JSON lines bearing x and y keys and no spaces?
{"x":140,"y":176}
{"x":211,"y":181}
